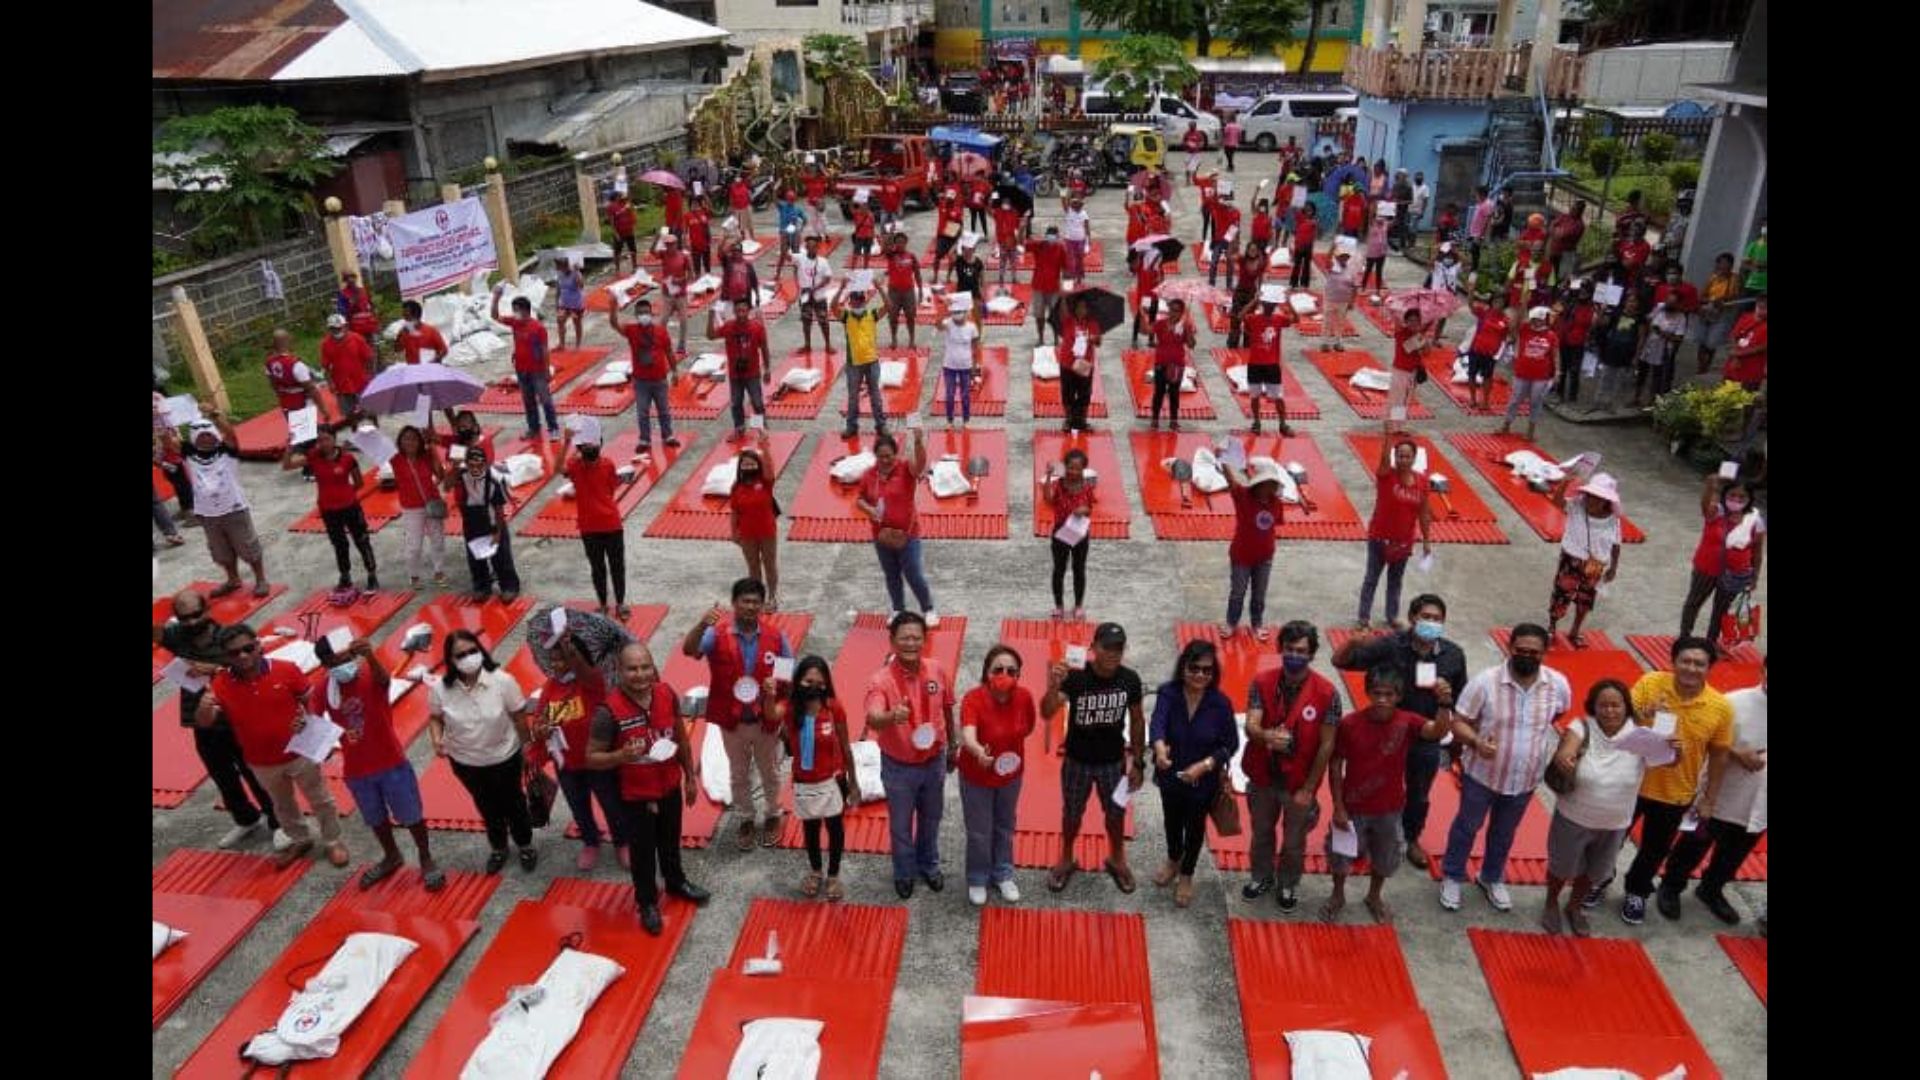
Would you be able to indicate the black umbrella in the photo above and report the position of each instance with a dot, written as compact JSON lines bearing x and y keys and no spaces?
{"x":1014,"y":196}
{"x":602,"y":637}
{"x":1107,"y":308}
{"x":1169,"y":247}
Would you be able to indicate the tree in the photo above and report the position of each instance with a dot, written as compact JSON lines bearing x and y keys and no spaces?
{"x":1258,"y":27}
{"x":1136,"y":63}
{"x":243,"y":170}
{"x":1656,"y":148}
{"x":1177,"y":19}
{"x":829,"y":55}
{"x":1313,"y":35}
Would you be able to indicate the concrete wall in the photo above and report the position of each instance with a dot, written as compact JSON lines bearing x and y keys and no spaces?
{"x":742,"y":17}
{"x":554,"y":191}
{"x":1409,"y":135}
{"x":231,"y":294}
{"x":1733,"y":190}
{"x":1654,"y":74}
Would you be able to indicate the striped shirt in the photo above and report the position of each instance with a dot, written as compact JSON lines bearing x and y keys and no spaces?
{"x":1520,"y":722}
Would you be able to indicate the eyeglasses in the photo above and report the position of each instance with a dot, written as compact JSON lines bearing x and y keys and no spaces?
{"x":1003,"y":669}
{"x":1200,"y":669}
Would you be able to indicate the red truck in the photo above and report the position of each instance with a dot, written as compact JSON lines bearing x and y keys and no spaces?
{"x":888,"y":164}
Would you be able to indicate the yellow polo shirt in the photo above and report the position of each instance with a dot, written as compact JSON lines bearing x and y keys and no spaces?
{"x":1705,"y":721}
{"x":862,"y":337}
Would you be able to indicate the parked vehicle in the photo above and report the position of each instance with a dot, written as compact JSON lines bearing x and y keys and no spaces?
{"x":883,"y":163}
{"x":1130,"y":147}
{"x":1273,"y":118}
{"x":1166,"y":112}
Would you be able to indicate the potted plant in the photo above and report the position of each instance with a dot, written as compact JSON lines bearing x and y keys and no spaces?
{"x":1695,"y":417}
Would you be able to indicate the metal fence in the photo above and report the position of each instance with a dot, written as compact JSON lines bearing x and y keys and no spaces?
{"x":1690,"y":133}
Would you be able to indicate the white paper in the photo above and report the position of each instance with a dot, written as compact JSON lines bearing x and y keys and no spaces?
{"x":422,"y":413}
{"x":1425,"y":674}
{"x":1123,"y":792}
{"x":1426,"y":562}
{"x":178,"y":674}
{"x":374,"y":443}
{"x":340,"y":638}
{"x":1345,"y":842}
{"x":557,"y":744}
{"x":429,"y":356}
{"x":913,"y":421}
{"x":482,"y":547}
{"x":757,"y":423}
{"x":315,"y":740}
{"x":1691,"y":821}
{"x":662,"y":751}
{"x":456,"y":453}
{"x":1608,"y":295}
{"x":783,"y":669}
{"x":1729,"y":470}
{"x":1076,"y":657}
{"x":180,"y":410}
{"x":1074,"y":529}
{"x":1397,"y":413}
{"x":1665,"y":723}
{"x":303,"y":425}
{"x":1650,"y":745}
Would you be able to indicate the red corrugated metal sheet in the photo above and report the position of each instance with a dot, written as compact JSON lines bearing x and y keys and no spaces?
{"x":1293,"y":396}
{"x":1112,"y":515}
{"x":236,"y":39}
{"x":827,"y":941}
{"x":1749,"y":955}
{"x":693,"y":516}
{"x":1338,"y":368}
{"x":1136,"y":363}
{"x":1055,"y":955}
{"x":402,"y":894}
{"x":1546,"y":987}
{"x":1487,"y":454}
{"x":1657,"y":651}
{"x":1459,"y":516}
{"x":1210,"y":517}
{"x":217,"y":897}
{"x":1361,"y":965}
{"x":1595,"y":641}
{"x":226,"y":874}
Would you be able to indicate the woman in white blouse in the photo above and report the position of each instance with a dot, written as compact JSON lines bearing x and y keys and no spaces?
{"x":1589,"y":549}
{"x":1590,"y":819}
{"x":477,"y":716}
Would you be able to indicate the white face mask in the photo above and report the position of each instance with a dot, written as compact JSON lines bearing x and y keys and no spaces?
{"x":470,"y":663}
{"x":646,"y":320}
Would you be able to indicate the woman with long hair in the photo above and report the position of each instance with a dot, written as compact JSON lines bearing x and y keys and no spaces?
{"x":815,"y":730}
{"x":1193,"y":740}
{"x":417,"y":478}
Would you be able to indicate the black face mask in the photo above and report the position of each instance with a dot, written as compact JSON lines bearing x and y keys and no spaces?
{"x":809,"y":695}
{"x":1524,"y":667}
{"x":590,"y":453}
{"x":466,"y":436}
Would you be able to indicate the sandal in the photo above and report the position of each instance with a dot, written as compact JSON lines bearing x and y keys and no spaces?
{"x":378,"y":873}
{"x":1061,"y":873}
{"x":1330,"y":911}
{"x":1183,"y":893}
{"x":810,"y":885}
{"x":1226,"y":631}
{"x":1165,"y":875}
{"x":1578,"y":641}
{"x":770,"y":833}
{"x":1122,"y":878}
{"x":835,"y":893}
{"x":1381,"y":913}
{"x":744,"y":840}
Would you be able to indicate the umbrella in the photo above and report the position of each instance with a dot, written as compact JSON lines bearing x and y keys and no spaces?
{"x":1345,"y":174}
{"x":1015,"y":196}
{"x":601,"y":636}
{"x":663,"y":178}
{"x":1432,"y":304}
{"x":1107,"y":308}
{"x":1169,"y":247}
{"x":1194,"y":291}
{"x":966,"y":163}
{"x":402,"y":387}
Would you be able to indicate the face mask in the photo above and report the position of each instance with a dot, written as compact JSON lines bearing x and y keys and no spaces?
{"x":590,"y":453}
{"x":749,"y":474}
{"x":808,"y":695}
{"x":959,"y":320}
{"x":1524,"y":666}
{"x":1736,"y":505}
{"x":346,"y":672}
{"x":1002,"y":683}
{"x":470,"y":663}
{"x":1429,"y":629}
{"x":646,"y":320}
{"x":1294,"y":663}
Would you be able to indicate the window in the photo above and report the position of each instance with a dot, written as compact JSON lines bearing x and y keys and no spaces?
{"x":1043,"y":17}
{"x":1307,"y":109}
{"x":796,"y":3}
{"x":1265,"y":108}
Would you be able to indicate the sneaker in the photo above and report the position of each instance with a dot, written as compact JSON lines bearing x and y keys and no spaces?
{"x":1497,"y":895}
{"x":589,"y":858}
{"x":977,"y":895}
{"x":1450,"y":895}
{"x":1633,"y":910}
{"x":1667,"y":902}
{"x":1288,"y":901}
{"x":935,"y":880}
{"x":281,"y":841}
{"x":1079,"y":614}
{"x":1059,"y":613}
{"x":1717,"y":903}
{"x":933,"y":618}
{"x":1011,"y":892}
{"x":1254,"y":890}
{"x":240,"y":834}
{"x":1595,"y":895}
{"x":903,"y":888}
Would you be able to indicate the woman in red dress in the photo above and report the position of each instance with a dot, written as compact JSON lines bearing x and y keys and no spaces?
{"x":754,"y":511}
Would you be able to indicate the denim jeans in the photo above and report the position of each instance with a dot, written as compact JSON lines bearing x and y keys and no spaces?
{"x":914,"y":792}
{"x":651,"y":393}
{"x":1423,"y":764}
{"x":1376,"y":562}
{"x":904,"y":563}
{"x":1534,"y":391}
{"x":583,"y":787}
{"x":536,"y":395}
{"x":741,"y":389}
{"x":868,"y":374}
{"x":959,"y":384}
{"x":990,"y":814}
{"x":1477,"y":801}
{"x":1257,"y":576}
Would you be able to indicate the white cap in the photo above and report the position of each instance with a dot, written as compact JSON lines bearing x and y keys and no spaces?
{"x":1225,"y":187}
{"x":960,"y":301}
{"x":1538,"y":314}
{"x":860,"y":281}
{"x":336,"y":320}
{"x":1273,"y":293}
{"x":969,"y":240}
{"x":810,"y":159}
{"x":1346,"y":245}
{"x":1261,"y":471}
{"x":664,"y":231}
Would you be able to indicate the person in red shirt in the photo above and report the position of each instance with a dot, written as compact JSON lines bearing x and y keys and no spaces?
{"x":740,"y":201}
{"x":1147,"y":276}
{"x":1400,"y":511}
{"x":1261,"y":330}
{"x":418,"y":476}
{"x":1411,"y":340}
{"x":261,"y":700}
{"x":753,"y":513}
{"x":674,"y":275}
{"x":1079,"y":347}
{"x":675,"y":210}
{"x":532,"y":366}
{"x":1353,"y":212}
{"x":653,"y":357}
{"x":1726,"y":563}
{"x":995,"y":719}
{"x":1009,"y":225}
{"x":354,"y":302}
{"x":1049,"y":259}
{"x":1490,"y":334}
{"x":1173,"y":341}
{"x":813,"y":181}
{"x":1573,"y":321}
{"x":290,"y":378}
{"x":1194,"y":144}
{"x":1257,"y":513}
{"x":420,"y":341}
{"x":1534,"y":356}
{"x":596,"y":487}
{"x":1634,"y":252}
{"x":892,"y":201}
{"x":863,"y":231}
{"x":1226,"y":238}
{"x":621,"y":215}
{"x":700,"y":239}
{"x":1260,"y":230}
{"x":385,"y":789}
{"x":348,"y":361}
{"x":1069,"y":493}
{"x":1368,"y":776}
{"x":903,"y":288}
{"x":1563,"y":240}
{"x":749,"y":367}
{"x":947,"y":228}
{"x":887,"y":499}
{"x":336,"y":476}
{"x":1747,"y":360}
{"x":909,"y":705}
{"x":820,"y":746}
{"x":979,"y":190}
{"x":562,"y":722}
{"x":1306,"y":229}
{"x":640,"y":712}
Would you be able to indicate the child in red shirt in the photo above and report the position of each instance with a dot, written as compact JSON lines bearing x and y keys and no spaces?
{"x":1368,"y":776}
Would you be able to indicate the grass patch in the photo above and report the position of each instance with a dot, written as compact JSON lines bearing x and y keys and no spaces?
{"x":562,"y":230}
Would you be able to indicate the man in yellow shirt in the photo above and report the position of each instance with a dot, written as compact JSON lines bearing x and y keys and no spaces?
{"x":1679,"y":704}
{"x":861,"y":323}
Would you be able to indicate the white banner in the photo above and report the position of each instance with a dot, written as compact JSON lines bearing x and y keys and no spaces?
{"x":441,"y":246}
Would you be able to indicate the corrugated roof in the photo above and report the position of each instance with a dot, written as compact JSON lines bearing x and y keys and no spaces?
{"x":247,"y":40}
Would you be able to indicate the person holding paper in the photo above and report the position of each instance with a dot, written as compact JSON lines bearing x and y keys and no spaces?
{"x":909,"y":707}
{"x":887,"y":497}
{"x":1400,"y":511}
{"x":532,"y":366}
{"x":1504,"y":721}
{"x":947,"y":228}
{"x":1252,"y":270}
{"x":290,"y":379}
{"x":418,"y":476}
{"x":193,"y":637}
{"x":563,"y":724}
{"x":1147,"y":277}
{"x":1069,"y":493}
{"x":1079,"y":349}
{"x":621,"y":215}
{"x":570,"y":305}
{"x":1262,"y":335}
{"x":630,"y":730}
{"x":1491,"y":332}
{"x":420,"y":341}
{"x":960,"y":360}
{"x":212,"y":461}
{"x":749,"y":366}
{"x":903,"y":288}
{"x":652,"y":354}
{"x":354,"y":696}
{"x":1225,"y":221}
{"x":482,"y":499}
{"x":1589,"y":549}
{"x":1257,"y":514}
{"x":819,"y":743}
{"x":674,"y":275}
{"x":860,"y":325}
{"x":1173,"y":341}
{"x":1536,"y":349}
{"x":1193,"y":742}
{"x":1342,"y":286}
{"x":1573,"y":321}
{"x":336,"y":476}
{"x":1291,"y":711}
{"x":995,"y":719}
{"x":261,"y":699}
{"x":1726,"y":562}
{"x":1738,"y":820}
{"x":348,"y":361}
{"x":1367,"y":776}
{"x":596,"y":487}
{"x":477,"y":716}
{"x":740,"y":203}
{"x":1681,"y":704}
{"x":968,"y":272}
{"x":814,"y":275}
{"x":699,"y":238}
{"x":754,"y":517}
{"x":1590,"y":817}
{"x":740,"y":652}
{"x":1105,"y":743}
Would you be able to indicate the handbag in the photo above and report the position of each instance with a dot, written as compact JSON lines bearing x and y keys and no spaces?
{"x":1561,"y":783}
{"x":1593,"y":569}
{"x":541,"y":790}
{"x":434,"y":508}
{"x":891,"y":538}
{"x":1420,"y":375}
{"x":1741,"y":623}
{"x":1225,"y":810}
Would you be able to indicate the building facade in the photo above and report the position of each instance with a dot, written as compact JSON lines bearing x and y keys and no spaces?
{"x":1059,"y":27}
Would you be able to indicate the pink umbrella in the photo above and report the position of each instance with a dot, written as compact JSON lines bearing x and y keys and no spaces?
{"x":1194,"y":291}
{"x":663,"y":178}
{"x":1432,"y":304}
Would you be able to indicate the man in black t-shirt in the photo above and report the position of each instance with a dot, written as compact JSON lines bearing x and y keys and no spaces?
{"x":1435,"y":669}
{"x":193,"y":637}
{"x":1099,"y":699}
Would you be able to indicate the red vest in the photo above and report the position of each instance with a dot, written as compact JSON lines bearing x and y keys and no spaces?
{"x":727,"y":667}
{"x":1312,"y":707}
{"x":292,"y":393}
{"x":647,"y":780}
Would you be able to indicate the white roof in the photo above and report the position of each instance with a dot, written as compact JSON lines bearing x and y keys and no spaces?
{"x":1239,"y":65}
{"x":447,"y":38}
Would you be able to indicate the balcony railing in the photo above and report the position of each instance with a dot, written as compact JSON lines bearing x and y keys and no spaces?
{"x":1461,"y":74}
{"x":877,"y":14}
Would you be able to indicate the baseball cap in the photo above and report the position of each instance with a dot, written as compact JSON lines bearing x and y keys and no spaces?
{"x":336,"y":320}
{"x":1110,"y":635}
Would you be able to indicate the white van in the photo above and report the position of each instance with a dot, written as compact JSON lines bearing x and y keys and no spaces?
{"x":1170,"y":114}
{"x":1276,"y":116}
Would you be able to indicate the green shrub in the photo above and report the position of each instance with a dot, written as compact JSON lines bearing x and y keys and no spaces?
{"x":1605,"y":156}
{"x":1682,"y":175}
{"x":1656,"y":148}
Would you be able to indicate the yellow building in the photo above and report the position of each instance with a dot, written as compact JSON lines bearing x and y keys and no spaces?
{"x":1056,"y":26}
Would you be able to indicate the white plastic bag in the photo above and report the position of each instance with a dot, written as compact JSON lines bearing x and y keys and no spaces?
{"x":719,"y":481}
{"x":715,"y":774}
{"x":853,"y":468}
{"x":610,"y":377}
{"x":1004,"y":304}
{"x":803,"y":380}
{"x":777,"y":1048}
{"x":1207,"y":476}
{"x":1329,"y":1055}
{"x":566,"y":490}
{"x":1237,"y":375}
{"x":1460,"y":376}
{"x":1371,"y":378}
{"x":893,"y":374}
{"x":537,"y":1023}
{"x":866,"y":771}
{"x":1046,"y":365}
{"x":1533,"y":468}
{"x":163,"y":936}
{"x":708,"y":366}
{"x":705,"y":283}
{"x":947,"y":480}
{"x":524,"y":469}
{"x":487,"y":345}
{"x":318,"y":1015}
{"x":1303,"y":303}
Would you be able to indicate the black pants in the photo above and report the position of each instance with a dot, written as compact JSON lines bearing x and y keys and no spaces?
{"x":1186,"y":826}
{"x":584,"y":787}
{"x":1077,"y":554}
{"x":1731,"y":845}
{"x":1423,"y":764}
{"x":341,"y":524}
{"x":1473,"y":255}
{"x":702,"y":262}
{"x":1167,"y":390}
{"x":607,"y":554}
{"x":176,"y":474}
{"x":836,"y":842}
{"x":246,"y":800}
{"x":1076,"y":394}
{"x":501,"y":800}
{"x":1376,"y":271}
{"x":1703,"y":586}
{"x":1568,"y":384}
{"x":1229,"y":151}
{"x":1659,"y":824}
{"x":500,"y":566}
{"x":1302,"y":276}
{"x":653,"y":841}
{"x":977,"y":219}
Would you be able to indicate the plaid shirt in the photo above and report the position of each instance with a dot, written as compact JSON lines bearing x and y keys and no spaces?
{"x":1519,"y":720}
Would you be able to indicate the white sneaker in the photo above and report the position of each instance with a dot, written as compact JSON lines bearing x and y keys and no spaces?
{"x":239,"y":834}
{"x":281,"y":841}
{"x":1009,"y":891}
{"x":1497,"y":895}
{"x":1450,"y":895}
{"x":933,"y":618}
{"x":977,"y":895}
